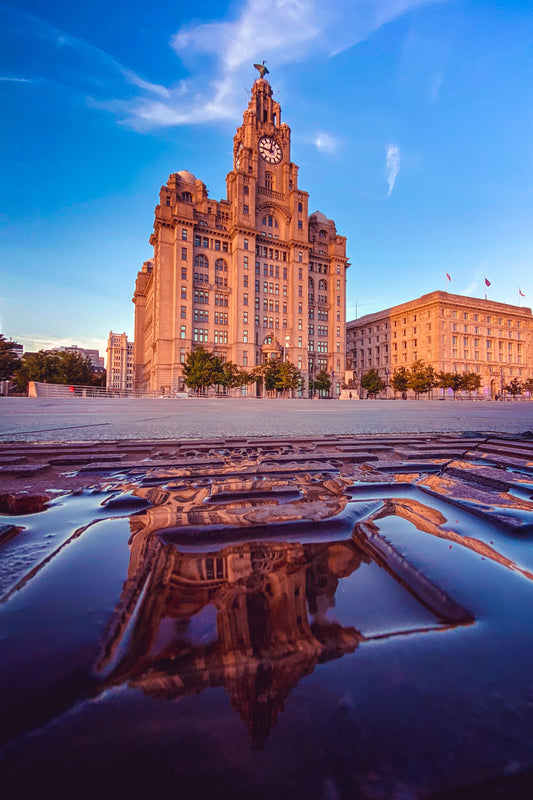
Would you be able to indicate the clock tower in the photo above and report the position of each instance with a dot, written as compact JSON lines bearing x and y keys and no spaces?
{"x":276,"y":286}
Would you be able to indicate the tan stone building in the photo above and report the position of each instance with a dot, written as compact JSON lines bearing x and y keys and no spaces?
{"x":119,"y":375}
{"x":250,"y":277}
{"x":451,"y":332}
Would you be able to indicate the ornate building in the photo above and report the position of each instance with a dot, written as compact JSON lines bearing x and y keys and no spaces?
{"x":250,"y":277}
{"x":451,"y":332}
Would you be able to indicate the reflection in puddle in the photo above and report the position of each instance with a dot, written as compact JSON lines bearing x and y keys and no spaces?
{"x":342,"y":617}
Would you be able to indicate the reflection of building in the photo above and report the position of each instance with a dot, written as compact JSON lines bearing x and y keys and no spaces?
{"x":253,"y":618}
{"x":119,"y":362}
{"x":451,"y":332}
{"x":250,"y":277}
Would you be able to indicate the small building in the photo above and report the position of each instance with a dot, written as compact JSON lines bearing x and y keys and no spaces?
{"x":450,"y":332}
{"x":119,"y":376}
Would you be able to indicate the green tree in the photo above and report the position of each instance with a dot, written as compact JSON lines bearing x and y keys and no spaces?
{"x":372,"y":383}
{"x":233,"y":376}
{"x":470,"y":382}
{"x":43,"y":366}
{"x":450,"y":380}
{"x":400,"y":380}
{"x":9,"y":361}
{"x":202,"y":369}
{"x":421,"y":377}
{"x":74,"y":368}
{"x":528,"y":387}
{"x":289,"y":377}
{"x":278,"y":375}
{"x":322,"y":382}
{"x":514,"y":387}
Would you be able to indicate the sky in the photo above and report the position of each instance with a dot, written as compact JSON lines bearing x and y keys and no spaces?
{"x":411,"y":124}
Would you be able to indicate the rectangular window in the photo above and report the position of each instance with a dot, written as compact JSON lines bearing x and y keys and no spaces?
{"x":184,"y":254}
{"x":245,"y":209}
{"x":183,"y":312}
{"x":246,"y":244}
{"x":183,"y":292}
{"x":184,"y":273}
{"x":182,"y":332}
{"x":245,"y":299}
{"x":184,"y":234}
{"x":205,"y":242}
{"x":217,"y":244}
{"x":197,"y":240}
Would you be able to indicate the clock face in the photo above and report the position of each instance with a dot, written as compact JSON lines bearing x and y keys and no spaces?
{"x":270,"y":150}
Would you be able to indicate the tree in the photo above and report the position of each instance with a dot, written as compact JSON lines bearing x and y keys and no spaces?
{"x":322,"y":382}
{"x":202,"y":369}
{"x":372,"y":383}
{"x":233,"y":376}
{"x":9,"y":361}
{"x":43,"y":366}
{"x":528,"y":387}
{"x":400,"y":380}
{"x":74,"y":368}
{"x":421,"y":377}
{"x":514,"y":388}
{"x":470,"y":382}
{"x":289,"y":377}
{"x":450,"y":380}
{"x":278,"y":375}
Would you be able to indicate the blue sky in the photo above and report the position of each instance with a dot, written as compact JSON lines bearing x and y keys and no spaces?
{"x":411,"y":124}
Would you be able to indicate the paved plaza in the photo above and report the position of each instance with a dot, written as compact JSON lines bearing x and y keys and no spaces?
{"x":77,"y":419}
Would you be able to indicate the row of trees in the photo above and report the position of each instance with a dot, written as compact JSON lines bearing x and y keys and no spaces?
{"x":421,"y":378}
{"x":203,"y":369}
{"x":46,"y":366}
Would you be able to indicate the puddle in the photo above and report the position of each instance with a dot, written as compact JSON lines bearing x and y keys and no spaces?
{"x":253,"y":633}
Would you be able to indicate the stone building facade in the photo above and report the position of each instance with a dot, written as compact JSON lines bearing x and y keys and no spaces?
{"x":451,"y":332}
{"x":119,"y":375}
{"x":250,"y":277}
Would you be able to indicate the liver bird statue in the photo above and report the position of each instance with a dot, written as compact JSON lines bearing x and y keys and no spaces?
{"x":262,"y":69}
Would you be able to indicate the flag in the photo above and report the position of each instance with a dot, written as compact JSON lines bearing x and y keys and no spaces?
{"x":521,"y":293}
{"x":448,"y":277}
{"x":487,"y":282}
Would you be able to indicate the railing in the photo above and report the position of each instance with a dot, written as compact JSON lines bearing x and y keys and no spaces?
{"x":269,"y":192}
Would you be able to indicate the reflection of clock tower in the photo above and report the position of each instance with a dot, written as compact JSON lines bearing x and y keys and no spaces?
{"x":275,"y":288}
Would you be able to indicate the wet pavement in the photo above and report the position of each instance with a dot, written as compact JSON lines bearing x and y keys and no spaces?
{"x":335,"y":617}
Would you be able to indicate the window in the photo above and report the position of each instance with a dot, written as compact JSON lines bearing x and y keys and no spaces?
{"x":184,"y":273}
{"x":183,"y":292}
{"x":217,"y":244}
{"x":183,"y":312}
{"x":205,"y":241}
{"x":245,"y":317}
{"x":245,"y":336}
{"x":245,"y":299}
{"x":245,"y":209}
{"x":245,"y":280}
{"x":182,"y":332}
{"x":246,"y":244}
{"x":184,"y":234}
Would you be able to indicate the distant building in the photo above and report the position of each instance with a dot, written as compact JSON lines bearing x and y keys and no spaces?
{"x":450,"y":332}
{"x":251,"y":277}
{"x":119,"y":362}
{"x":97,"y":361}
{"x":17,"y":348}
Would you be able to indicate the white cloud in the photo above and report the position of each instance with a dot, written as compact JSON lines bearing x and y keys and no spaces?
{"x":39,"y":341}
{"x":14,"y":80}
{"x":392,"y":165}
{"x":218,"y":55}
{"x":325,"y":142}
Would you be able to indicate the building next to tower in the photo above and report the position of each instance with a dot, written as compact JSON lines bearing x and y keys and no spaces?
{"x":249,"y":278}
{"x":450,"y":332}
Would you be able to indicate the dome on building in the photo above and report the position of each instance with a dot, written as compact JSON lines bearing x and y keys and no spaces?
{"x":186,"y":176}
{"x":318,"y":216}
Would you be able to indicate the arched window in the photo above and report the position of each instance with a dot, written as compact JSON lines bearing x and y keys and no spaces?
{"x":187,"y":197}
{"x":221,"y":265}
{"x":268,"y":340}
{"x":322,"y":234}
{"x":201,"y":261}
{"x":322,"y":285}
